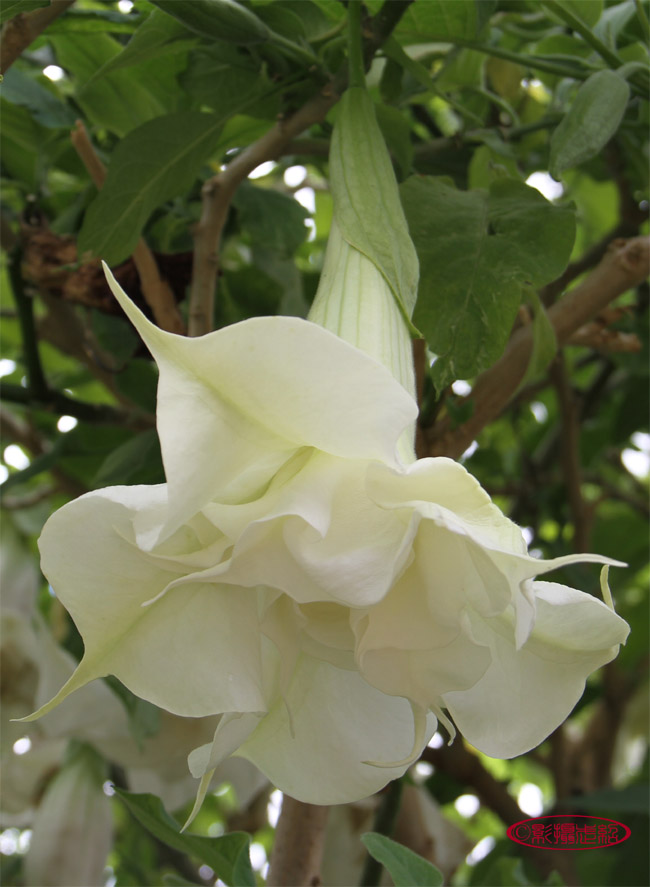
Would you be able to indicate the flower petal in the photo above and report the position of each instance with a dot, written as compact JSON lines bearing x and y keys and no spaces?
{"x":234,"y":404}
{"x":194,"y":652}
{"x":525,"y":694}
{"x":312,"y":745}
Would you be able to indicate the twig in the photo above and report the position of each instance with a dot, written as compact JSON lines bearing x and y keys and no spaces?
{"x":57,"y":402}
{"x":298,"y":847}
{"x":570,"y":452}
{"x":384,"y":825}
{"x":218,"y":192}
{"x":24,"y":28}
{"x":36,"y":383}
{"x":625,"y":265}
{"x":156,"y":291}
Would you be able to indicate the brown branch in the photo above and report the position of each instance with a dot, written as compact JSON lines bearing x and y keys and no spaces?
{"x":156,"y":291}
{"x":625,"y":265}
{"x":298,"y":846}
{"x":218,"y":192}
{"x":570,"y":452}
{"x":23,"y":29}
{"x":467,"y":769}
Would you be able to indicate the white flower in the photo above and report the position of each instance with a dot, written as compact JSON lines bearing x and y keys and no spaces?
{"x":298,"y":575}
{"x":72,"y":831}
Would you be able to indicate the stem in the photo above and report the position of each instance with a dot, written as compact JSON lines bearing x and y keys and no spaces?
{"x":298,"y":848}
{"x":36,"y":384}
{"x":384,"y":824}
{"x":357,"y":76}
{"x":585,"y":32}
{"x":643,"y":20}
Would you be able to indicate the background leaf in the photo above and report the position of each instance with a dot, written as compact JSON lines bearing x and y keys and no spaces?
{"x":590,"y":122}
{"x":478,"y":251}
{"x":227,"y":855}
{"x":404,"y":866}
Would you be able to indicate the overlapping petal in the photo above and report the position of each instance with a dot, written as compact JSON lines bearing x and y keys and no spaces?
{"x":233,"y":405}
{"x":525,"y":694}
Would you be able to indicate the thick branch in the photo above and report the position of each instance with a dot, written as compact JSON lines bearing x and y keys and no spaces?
{"x":219,"y":191}
{"x":625,"y":265}
{"x":23,"y":29}
{"x":156,"y":291}
{"x":298,"y":847}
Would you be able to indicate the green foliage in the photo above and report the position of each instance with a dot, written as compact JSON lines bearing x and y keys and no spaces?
{"x":227,"y":855}
{"x":478,"y":252}
{"x":592,"y":120}
{"x":471,"y":98}
{"x":405,"y":867}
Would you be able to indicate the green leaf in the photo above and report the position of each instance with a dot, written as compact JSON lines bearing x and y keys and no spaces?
{"x":272,"y":219}
{"x":155,"y":162}
{"x":587,"y":10}
{"x":227,"y":855}
{"x":404,"y":866}
{"x":158,"y":35}
{"x":225,"y":79}
{"x":129,"y":462}
{"x":218,"y":19}
{"x":632,"y":799}
{"x":365,"y":193}
{"x":121,"y":100}
{"x":20,"y":89}
{"x":445,"y":19}
{"x":20,"y":140}
{"x":591,"y":121}
{"x":478,"y":252}
{"x":10,"y":8}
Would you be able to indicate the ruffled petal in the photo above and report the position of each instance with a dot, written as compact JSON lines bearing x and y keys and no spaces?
{"x":312,"y":745}
{"x":234,"y":404}
{"x":194,"y":652}
{"x":525,"y":694}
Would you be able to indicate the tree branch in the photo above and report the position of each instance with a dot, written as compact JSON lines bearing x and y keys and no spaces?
{"x":23,"y":29}
{"x":570,"y":452}
{"x":218,"y":192}
{"x":55,"y":401}
{"x":625,"y":265}
{"x":156,"y":291}
{"x":298,"y":847}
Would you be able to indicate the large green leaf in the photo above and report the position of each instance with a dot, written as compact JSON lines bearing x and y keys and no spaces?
{"x":227,"y":855}
{"x":365,"y":194}
{"x":272,"y":219}
{"x":590,"y":122}
{"x":123,"y":99}
{"x":157,"y":161}
{"x":404,"y":866}
{"x":158,"y":35}
{"x":478,"y":252}
{"x":218,"y":19}
{"x":445,"y":19}
{"x":225,"y":79}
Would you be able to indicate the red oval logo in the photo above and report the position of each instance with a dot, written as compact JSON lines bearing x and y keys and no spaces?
{"x":569,"y":831}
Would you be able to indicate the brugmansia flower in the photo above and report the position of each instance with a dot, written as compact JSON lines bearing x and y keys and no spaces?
{"x":300,"y":572}
{"x":73,"y":827}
